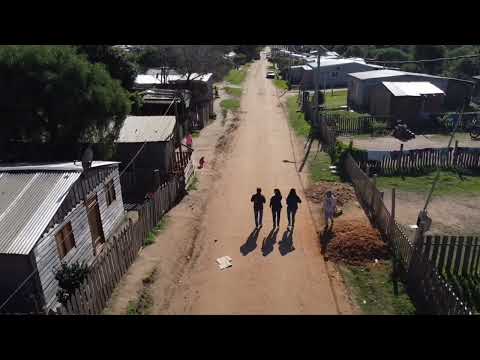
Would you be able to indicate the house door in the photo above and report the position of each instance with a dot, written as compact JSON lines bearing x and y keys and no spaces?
{"x":95,"y":223}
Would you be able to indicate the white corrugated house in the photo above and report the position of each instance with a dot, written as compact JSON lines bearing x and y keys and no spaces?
{"x":52,"y":213}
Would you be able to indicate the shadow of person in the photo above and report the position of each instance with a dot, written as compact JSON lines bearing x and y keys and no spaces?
{"x":251,"y":243}
{"x":269,"y":242}
{"x":325,"y":239}
{"x":286,"y":245}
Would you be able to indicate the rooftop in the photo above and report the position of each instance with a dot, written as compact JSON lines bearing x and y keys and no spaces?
{"x":139,"y":129}
{"x":146,"y":80}
{"x":417,"y":88}
{"x":30,"y":195}
{"x":374,"y":74}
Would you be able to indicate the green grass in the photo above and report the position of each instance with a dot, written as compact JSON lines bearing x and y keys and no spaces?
{"x":236,"y":77}
{"x":280,"y":84}
{"x":271,"y":68}
{"x":319,"y":167}
{"x":194,"y":184}
{"x":297,"y":119}
{"x":468,"y":286}
{"x":449,"y":183}
{"x":230,"y":104}
{"x":372,"y":288}
{"x":195,"y":134}
{"x":237,"y":92}
{"x":335,"y":100}
{"x":162,"y":225}
{"x":142,"y":305}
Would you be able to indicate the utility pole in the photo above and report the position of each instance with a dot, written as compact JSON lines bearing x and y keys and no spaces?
{"x":317,"y":79}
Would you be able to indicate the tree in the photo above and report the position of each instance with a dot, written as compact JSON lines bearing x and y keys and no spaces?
{"x":52,"y":94}
{"x":390,"y":54}
{"x":425,"y":52}
{"x":463,"y":68}
{"x":355,"y":51}
{"x":117,"y":62}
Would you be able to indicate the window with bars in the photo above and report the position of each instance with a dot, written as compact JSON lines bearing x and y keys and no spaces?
{"x":65,"y":240}
{"x":110,"y":192}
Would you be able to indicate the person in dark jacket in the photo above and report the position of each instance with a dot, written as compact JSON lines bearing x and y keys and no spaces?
{"x":292,"y":206}
{"x":276,"y":206}
{"x":258,"y":200}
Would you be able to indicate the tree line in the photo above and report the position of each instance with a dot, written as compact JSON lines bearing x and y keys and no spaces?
{"x":461,"y":68}
{"x":63,"y":94}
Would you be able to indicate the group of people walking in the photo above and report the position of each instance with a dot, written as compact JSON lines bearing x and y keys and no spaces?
{"x":292,"y":202}
{"x":329,"y":206}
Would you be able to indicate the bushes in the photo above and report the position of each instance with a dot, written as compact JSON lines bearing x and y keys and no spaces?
{"x":339,"y":156}
{"x":70,"y":278}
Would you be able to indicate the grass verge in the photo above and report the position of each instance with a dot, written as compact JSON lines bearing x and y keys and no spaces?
{"x":156,"y":230}
{"x":297,"y":119}
{"x":230,"y":104}
{"x":195,"y":134}
{"x":372,"y":288}
{"x":319,"y":166}
{"x":449,"y":183}
{"x":280,"y":84}
{"x":142,"y":305}
{"x":236,"y":77}
{"x":237,"y":92}
{"x":194,"y":184}
{"x":335,"y":99}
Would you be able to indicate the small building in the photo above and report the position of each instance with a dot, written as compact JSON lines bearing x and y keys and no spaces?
{"x":476,"y":92}
{"x":410,"y":102}
{"x":156,"y":135}
{"x":457,"y":91}
{"x":144,"y":82}
{"x":333,"y":72}
{"x":52,"y":213}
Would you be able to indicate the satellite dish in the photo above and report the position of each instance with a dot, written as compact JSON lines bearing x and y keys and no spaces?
{"x":87,"y":158}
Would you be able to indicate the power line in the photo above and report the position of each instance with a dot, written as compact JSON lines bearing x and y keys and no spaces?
{"x":422,"y":61}
{"x":88,"y":211}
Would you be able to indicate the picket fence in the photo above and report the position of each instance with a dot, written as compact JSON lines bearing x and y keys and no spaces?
{"x":417,"y":160}
{"x":343,"y":124}
{"x":119,"y":253}
{"x":424,"y":283}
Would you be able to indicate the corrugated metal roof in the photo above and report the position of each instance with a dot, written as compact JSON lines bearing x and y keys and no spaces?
{"x":138,"y":129}
{"x":28,"y":201}
{"x":376,"y":74}
{"x":146,"y":80}
{"x":327,"y":61}
{"x":417,"y":88}
{"x":61,"y":166}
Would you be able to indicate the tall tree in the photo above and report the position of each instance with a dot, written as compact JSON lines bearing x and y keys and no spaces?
{"x":425,"y":52}
{"x":117,"y":62}
{"x":390,"y":54}
{"x":51,"y":94}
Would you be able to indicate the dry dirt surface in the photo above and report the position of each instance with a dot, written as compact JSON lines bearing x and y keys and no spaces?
{"x":273,"y":272}
{"x":451,"y":214}
{"x":344,"y":193}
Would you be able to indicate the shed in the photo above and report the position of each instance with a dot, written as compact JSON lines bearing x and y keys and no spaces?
{"x":406,"y":101}
{"x":457,"y":91}
{"x":52,"y":213}
{"x":156,"y":135}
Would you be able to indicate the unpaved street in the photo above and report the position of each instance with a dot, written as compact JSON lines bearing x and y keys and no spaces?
{"x":270,"y":274}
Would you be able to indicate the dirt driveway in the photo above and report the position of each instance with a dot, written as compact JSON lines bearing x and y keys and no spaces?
{"x":272,"y":273}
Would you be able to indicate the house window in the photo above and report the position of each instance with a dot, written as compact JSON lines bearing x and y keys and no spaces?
{"x":65,"y":240}
{"x":110,"y":192}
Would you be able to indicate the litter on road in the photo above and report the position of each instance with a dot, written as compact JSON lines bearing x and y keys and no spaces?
{"x":224,"y":262}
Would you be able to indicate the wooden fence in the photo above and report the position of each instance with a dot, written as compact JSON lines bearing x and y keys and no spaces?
{"x":423,"y":281}
{"x":344,"y":124}
{"x":455,"y":255}
{"x":119,"y":253}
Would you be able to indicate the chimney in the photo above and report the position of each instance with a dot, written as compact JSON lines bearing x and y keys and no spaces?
{"x":87,"y":158}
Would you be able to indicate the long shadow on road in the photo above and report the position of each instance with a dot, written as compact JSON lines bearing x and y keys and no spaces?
{"x":286,"y":245}
{"x":269,"y":242}
{"x":250,"y":244}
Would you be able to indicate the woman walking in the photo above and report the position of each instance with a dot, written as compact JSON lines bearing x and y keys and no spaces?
{"x":276,"y":206}
{"x":292,"y":206}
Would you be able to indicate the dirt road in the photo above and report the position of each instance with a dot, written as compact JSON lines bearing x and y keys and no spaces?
{"x":271,"y":274}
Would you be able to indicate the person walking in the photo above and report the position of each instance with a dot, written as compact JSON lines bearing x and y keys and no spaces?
{"x":189,"y":140}
{"x":258,"y":200}
{"x":330,"y":207}
{"x":292,"y":206}
{"x":276,"y":206}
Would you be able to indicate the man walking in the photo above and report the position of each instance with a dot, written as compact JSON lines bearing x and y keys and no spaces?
{"x":258,"y":200}
{"x":330,"y":207}
{"x":276,"y":206}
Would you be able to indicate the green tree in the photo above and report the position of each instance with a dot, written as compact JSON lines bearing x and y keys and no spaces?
{"x":390,"y":54}
{"x":424,"y":52}
{"x":118,"y":63}
{"x":52,"y":94}
{"x":70,"y":278}
{"x":355,"y":51}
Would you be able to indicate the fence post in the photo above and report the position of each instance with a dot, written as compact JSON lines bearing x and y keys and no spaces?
{"x":394,"y":252}
{"x":400,"y":159}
